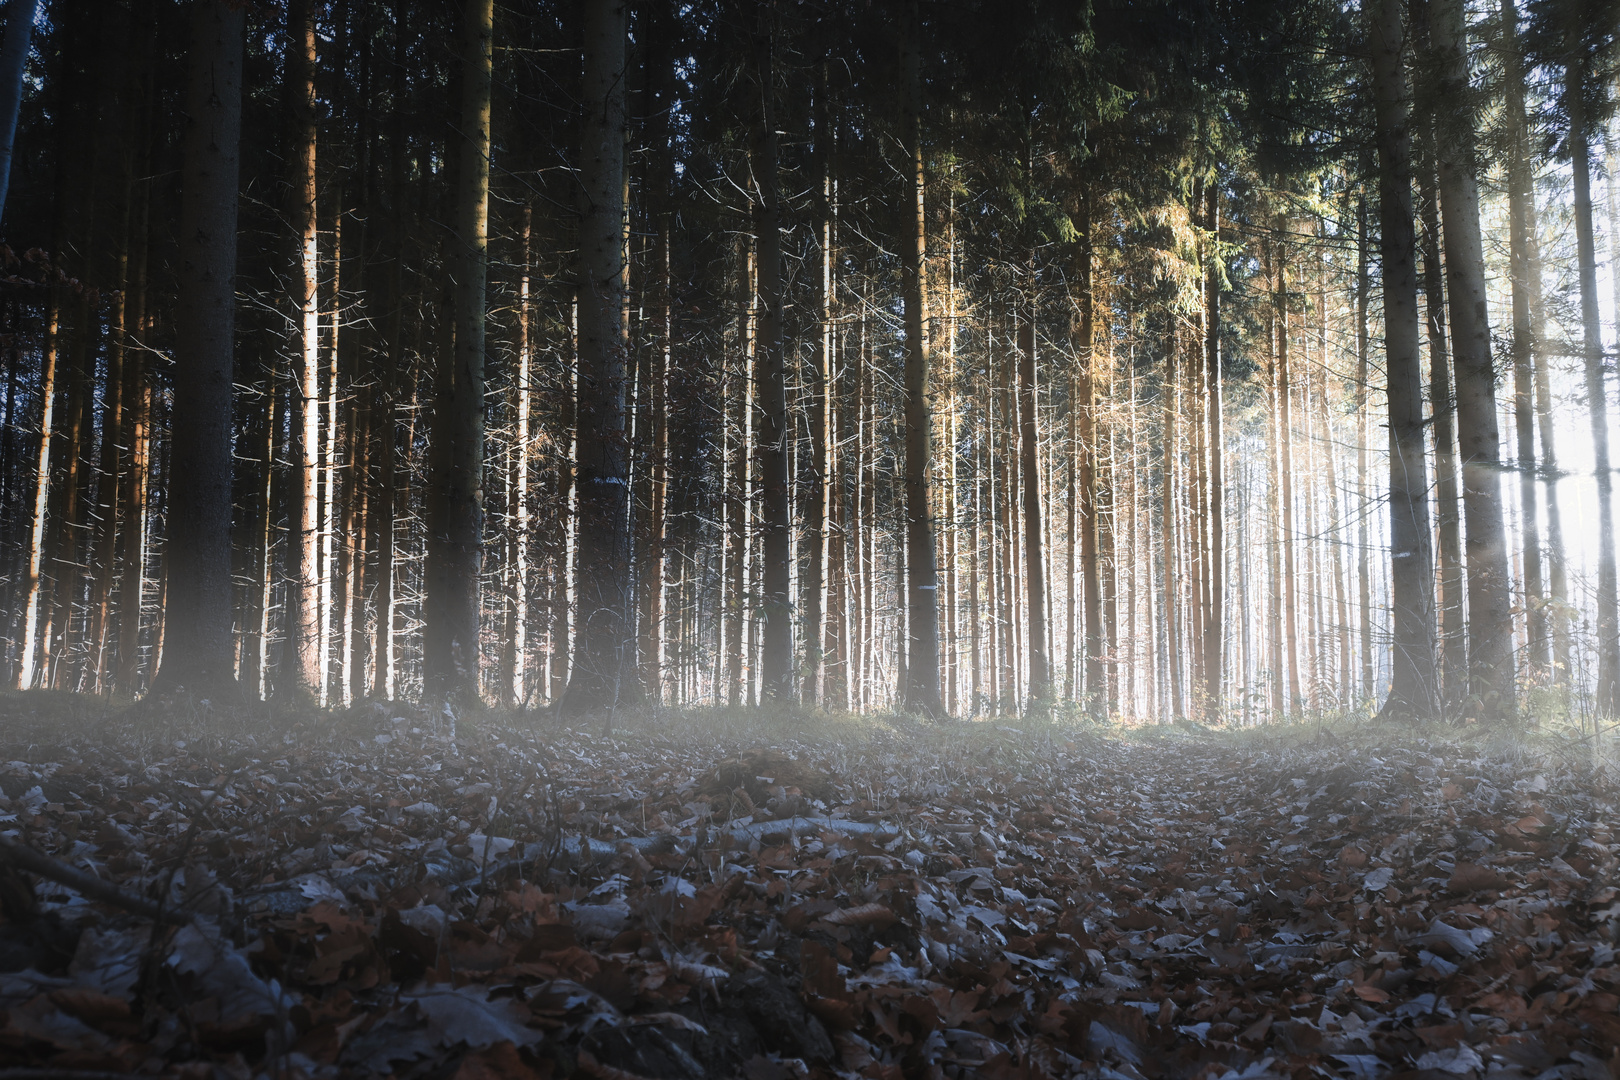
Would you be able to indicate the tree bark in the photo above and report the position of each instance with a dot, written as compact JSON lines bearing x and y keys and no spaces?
{"x":197,"y":652}
{"x":776,"y":682}
{"x":1448,"y":520}
{"x":922,"y":600}
{"x":1215,"y":615}
{"x":13,"y":59}
{"x":1606,"y":695}
{"x":1526,"y":295}
{"x":450,"y":638}
{"x":603,"y":539}
{"x":1490,"y":601}
{"x":1412,"y":684}
{"x":303,"y":666}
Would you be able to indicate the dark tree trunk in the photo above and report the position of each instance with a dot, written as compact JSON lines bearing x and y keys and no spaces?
{"x":197,"y":655}
{"x":1412,"y":686}
{"x":602,"y":547}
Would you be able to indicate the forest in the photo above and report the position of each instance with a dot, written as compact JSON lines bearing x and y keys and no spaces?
{"x":905,"y":540}
{"x":1232,"y":361}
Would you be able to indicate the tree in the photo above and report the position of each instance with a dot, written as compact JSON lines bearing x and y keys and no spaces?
{"x":198,"y":655}
{"x":1412,"y":691}
{"x":770,"y":379}
{"x":456,"y":549}
{"x":304,"y":666}
{"x":13,"y":58}
{"x":602,"y":551}
{"x":1490,"y":601}
{"x":922,"y":593}
{"x":1578,"y":56}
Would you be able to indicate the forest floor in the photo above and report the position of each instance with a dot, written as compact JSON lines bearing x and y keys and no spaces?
{"x":374,"y":893}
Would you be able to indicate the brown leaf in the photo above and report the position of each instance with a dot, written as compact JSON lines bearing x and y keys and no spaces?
{"x":864,"y":915}
{"x":1471,"y":877}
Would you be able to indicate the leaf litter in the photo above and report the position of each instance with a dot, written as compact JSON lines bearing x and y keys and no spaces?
{"x":968,"y":902}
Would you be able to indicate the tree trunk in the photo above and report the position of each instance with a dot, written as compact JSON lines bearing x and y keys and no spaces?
{"x":302,"y":669}
{"x":450,"y":636}
{"x":1448,"y":520}
{"x":922,"y":600}
{"x":1412,"y":685}
{"x":1490,"y":601}
{"x":1606,"y":695}
{"x":1285,"y":477}
{"x":28,"y":671}
{"x":1085,"y":451}
{"x":13,"y":59}
{"x":1526,"y":292}
{"x":1168,"y":497}
{"x":197,"y":653}
{"x":1215,"y":616}
{"x":515,"y":644}
{"x":1363,"y":451}
{"x":777,"y":681}
{"x":603,"y":540}
{"x":813,"y":588}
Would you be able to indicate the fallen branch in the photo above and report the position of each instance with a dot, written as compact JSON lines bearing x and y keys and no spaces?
{"x":26,"y":858}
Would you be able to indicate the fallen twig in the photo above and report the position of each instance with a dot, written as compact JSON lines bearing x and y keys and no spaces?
{"x":95,"y":888}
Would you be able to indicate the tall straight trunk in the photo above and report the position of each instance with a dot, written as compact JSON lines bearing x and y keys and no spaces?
{"x":922,"y":600}
{"x":1448,"y":518}
{"x":735,"y":491}
{"x":28,"y":671}
{"x":816,"y":532}
{"x":1275,"y":637}
{"x":1285,"y":495}
{"x":1606,"y":695}
{"x":303,"y":666}
{"x":515,"y":646}
{"x":1363,"y":452}
{"x":450,"y":638}
{"x":1526,"y":295}
{"x":329,"y":575}
{"x":1490,"y":600}
{"x":1006,"y":608}
{"x":1215,"y":614}
{"x":384,"y":499}
{"x":197,"y":653}
{"x":1085,"y":450}
{"x":777,"y":681}
{"x":1412,"y":685}
{"x":603,"y":538}
{"x":1168,"y":497}
{"x":1040,"y":666}
{"x":13,"y":59}
{"x":836,"y":642}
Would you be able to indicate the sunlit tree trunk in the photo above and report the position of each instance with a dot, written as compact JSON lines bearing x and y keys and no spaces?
{"x":1215,"y":616}
{"x":922,"y":600}
{"x":1448,"y":519}
{"x":1363,"y":452}
{"x":776,"y":676}
{"x":515,"y":643}
{"x":814,"y":600}
{"x":1490,"y":601}
{"x":1526,"y":295}
{"x":28,"y":671}
{"x":197,"y":652}
{"x":1412,"y":685}
{"x":1169,"y":495}
{"x":301,"y":674}
{"x":1606,"y":695}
